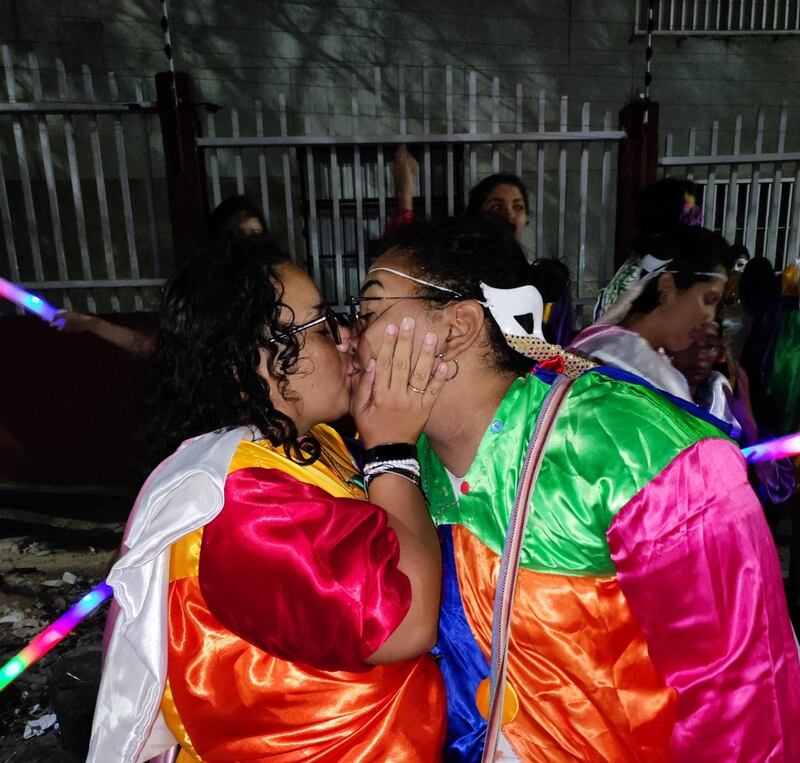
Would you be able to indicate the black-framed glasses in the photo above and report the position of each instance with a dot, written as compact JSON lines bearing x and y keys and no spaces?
{"x":354,"y":303}
{"x":329,"y":318}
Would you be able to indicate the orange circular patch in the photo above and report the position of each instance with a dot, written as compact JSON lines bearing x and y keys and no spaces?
{"x":510,"y":701}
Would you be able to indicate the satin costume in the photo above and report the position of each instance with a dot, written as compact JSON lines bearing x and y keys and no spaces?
{"x":784,"y":383}
{"x":270,"y":606}
{"x":621,"y":348}
{"x":649,"y":622}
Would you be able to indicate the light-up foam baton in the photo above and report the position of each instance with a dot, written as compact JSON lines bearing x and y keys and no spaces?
{"x":26,"y":300}
{"x":54,"y":633}
{"x":782,"y":447}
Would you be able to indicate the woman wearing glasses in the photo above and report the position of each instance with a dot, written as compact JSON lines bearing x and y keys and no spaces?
{"x":266,"y":609}
{"x":648,"y":620}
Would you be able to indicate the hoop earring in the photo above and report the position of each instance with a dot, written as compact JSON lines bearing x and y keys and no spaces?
{"x":454,"y":360}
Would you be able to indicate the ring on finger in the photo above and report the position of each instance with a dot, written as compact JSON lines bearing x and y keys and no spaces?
{"x":414,"y":389}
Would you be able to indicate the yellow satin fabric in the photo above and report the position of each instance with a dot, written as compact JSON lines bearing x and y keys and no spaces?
{"x":175,"y":725}
{"x":577,"y":660}
{"x":227,"y":700}
{"x":790,"y":281}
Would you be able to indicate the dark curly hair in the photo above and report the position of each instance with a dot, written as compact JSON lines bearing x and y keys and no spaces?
{"x":459,"y":254}
{"x":217,"y":316}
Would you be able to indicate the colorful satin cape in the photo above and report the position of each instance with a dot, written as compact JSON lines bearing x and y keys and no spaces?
{"x":272,"y":604}
{"x":274,"y":607}
{"x":650,"y":621}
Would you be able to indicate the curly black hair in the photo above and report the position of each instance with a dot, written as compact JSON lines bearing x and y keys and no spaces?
{"x":218,"y":315}
{"x":459,"y":254}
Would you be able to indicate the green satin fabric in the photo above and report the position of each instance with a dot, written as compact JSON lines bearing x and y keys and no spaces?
{"x":784,"y":386}
{"x":610,"y":439}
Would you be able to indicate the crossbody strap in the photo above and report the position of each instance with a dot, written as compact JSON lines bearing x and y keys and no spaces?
{"x":509,"y":565}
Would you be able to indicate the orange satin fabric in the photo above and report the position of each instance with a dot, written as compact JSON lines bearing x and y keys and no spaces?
{"x":229,"y":701}
{"x":239,"y":703}
{"x":577,"y":660}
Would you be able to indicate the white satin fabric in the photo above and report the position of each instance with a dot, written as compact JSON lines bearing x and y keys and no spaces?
{"x":712,"y":396}
{"x":184,"y":493}
{"x":620,"y":348}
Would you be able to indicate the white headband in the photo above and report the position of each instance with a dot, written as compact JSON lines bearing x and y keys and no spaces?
{"x":415,"y":280}
{"x":505,"y":305}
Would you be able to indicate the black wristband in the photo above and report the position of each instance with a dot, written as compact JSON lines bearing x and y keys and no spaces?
{"x":391,"y":451}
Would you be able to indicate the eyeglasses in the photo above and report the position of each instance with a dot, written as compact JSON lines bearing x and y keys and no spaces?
{"x":354,"y":303}
{"x":329,"y":318}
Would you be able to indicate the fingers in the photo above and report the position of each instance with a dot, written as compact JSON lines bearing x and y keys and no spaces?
{"x":401,"y":362}
{"x":383,"y":363}
{"x":59,"y":320}
{"x":425,"y":362}
{"x":363,"y":391}
{"x":435,"y":384}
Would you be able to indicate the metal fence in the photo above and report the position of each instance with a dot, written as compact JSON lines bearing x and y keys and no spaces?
{"x":325,"y":181}
{"x":78,"y":199}
{"x":83,"y":202}
{"x":750,"y":198}
{"x":720,"y":17}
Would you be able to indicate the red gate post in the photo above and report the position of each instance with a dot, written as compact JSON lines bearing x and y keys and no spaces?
{"x":636,"y":168}
{"x":185,"y":171}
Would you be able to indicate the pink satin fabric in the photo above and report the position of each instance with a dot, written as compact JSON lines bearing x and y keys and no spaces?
{"x":301,"y":574}
{"x":699,"y":569}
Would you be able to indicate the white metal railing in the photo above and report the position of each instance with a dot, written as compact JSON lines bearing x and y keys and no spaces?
{"x":720,"y":17}
{"x":336,"y":177}
{"x":764,"y":211}
{"x":77,"y":191}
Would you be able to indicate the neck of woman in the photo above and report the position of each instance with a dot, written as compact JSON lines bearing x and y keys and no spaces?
{"x":462,"y":414}
{"x":648,"y":326}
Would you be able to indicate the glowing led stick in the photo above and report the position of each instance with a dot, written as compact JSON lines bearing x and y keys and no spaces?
{"x":54,"y":633}
{"x":782,"y":447}
{"x":25,"y":299}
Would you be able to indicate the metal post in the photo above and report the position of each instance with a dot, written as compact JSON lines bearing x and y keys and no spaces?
{"x":636,"y":168}
{"x":186,"y":183}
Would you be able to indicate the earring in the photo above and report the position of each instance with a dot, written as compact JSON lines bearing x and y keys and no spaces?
{"x":455,"y":373}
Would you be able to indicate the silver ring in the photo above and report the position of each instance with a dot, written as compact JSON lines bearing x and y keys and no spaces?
{"x":414,"y":389}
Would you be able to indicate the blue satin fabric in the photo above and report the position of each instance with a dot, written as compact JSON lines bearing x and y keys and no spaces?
{"x":462,"y":663}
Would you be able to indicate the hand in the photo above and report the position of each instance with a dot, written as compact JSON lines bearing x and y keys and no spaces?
{"x":384,"y":406}
{"x":404,"y":169}
{"x":739,"y":402}
{"x":67,"y":320}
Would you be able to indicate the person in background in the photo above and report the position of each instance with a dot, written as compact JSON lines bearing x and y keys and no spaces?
{"x":659,"y":207}
{"x":503,"y":199}
{"x":235,"y":215}
{"x":658,"y":314}
{"x":730,"y":401}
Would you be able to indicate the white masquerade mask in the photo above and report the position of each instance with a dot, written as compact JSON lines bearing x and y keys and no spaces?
{"x":518,"y":311}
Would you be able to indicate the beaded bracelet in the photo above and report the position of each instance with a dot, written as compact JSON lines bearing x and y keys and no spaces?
{"x":405,"y":468}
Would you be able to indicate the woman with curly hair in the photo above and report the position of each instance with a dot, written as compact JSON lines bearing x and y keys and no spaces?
{"x":267,"y":607}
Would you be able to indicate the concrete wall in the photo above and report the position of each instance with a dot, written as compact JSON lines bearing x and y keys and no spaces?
{"x":583,"y":48}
